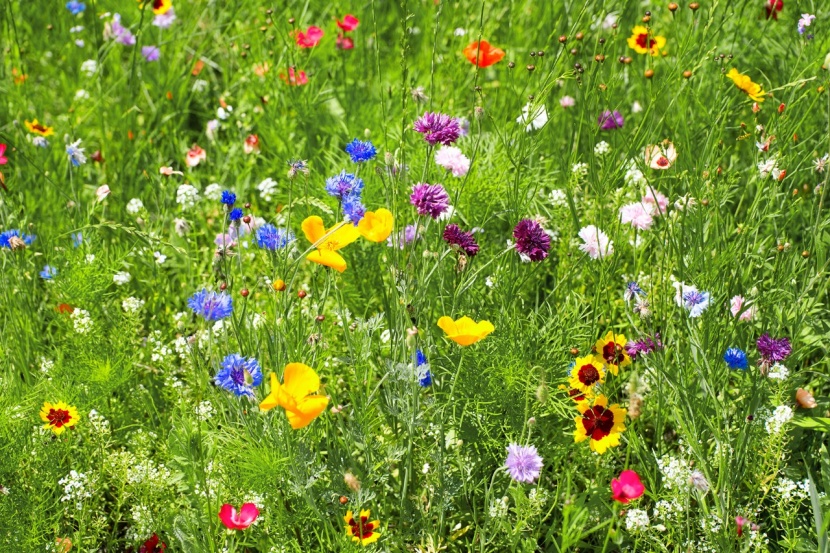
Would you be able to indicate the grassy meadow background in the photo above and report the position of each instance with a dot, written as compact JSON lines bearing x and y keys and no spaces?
{"x":731,"y":459}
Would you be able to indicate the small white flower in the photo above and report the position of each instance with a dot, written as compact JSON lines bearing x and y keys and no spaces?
{"x":778,"y":372}
{"x":602,"y":148}
{"x":213,"y":192}
{"x":132,"y":305}
{"x":160,"y":257}
{"x":187,"y":196}
{"x":81,"y":321}
{"x":636,"y":520}
{"x":121,"y":278}
{"x":134,"y":206}
{"x":533,"y":120}
{"x":779,"y":417}
{"x":89,"y":67}
{"x":81,"y":94}
{"x":267,"y":189}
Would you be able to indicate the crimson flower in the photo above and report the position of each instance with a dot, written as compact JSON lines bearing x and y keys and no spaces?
{"x":309,"y":38}
{"x":627,"y":487}
{"x":240,"y":520}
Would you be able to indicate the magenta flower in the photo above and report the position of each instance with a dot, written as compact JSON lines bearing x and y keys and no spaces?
{"x":438,"y":128}
{"x":627,"y":487}
{"x":523,"y":463}
{"x":610,"y":120}
{"x":773,"y":350}
{"x":531,"y":240}
{"x":240,"y":520}
{"x":464,"y":241}
{"x":430,"y":199}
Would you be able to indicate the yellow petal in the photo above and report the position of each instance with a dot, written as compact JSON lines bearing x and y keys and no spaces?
{"x":313,"y":228}
{"x":271,"y":400}
{"x":447,"y":325}
{"x":299,"y":380}
{"x":306,"y":411}
{"x":376,"y":226}
{"x":328,"y":258}
{"x":340,"y":238}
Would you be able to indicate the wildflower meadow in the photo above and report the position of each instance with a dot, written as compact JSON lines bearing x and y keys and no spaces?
{"x":414,"y":276}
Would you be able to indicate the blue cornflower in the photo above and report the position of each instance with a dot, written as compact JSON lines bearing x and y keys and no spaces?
{"x":75,"y":7}
{"x":344,"y":185}
{"x":211,"y":305}
{"x":735,"y":358}
{"x":696,"y":302}
{"x":632,"y":289}
{"x":422,"y":369}
{"x":239,"y":375}
{"x":353,"y":209}
{"x":297,"y":166}
{"x":228,"y":198}
{"x":272,"y":238}
{"x":48,"y":272}
{"x":361,"y":151}
{"x":77,"y":239}
{"x":236,"y":214}
{"x":8,"y":238}
{"x":75,"y":153}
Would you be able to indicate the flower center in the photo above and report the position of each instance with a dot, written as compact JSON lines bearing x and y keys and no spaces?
{"x":363,"y":529}
{"x":644,"y":42}
{"x":662,"y":161}
{"x":588,"y":374}
{"x":58,"y":417}
{"x":598,"y":422}
{"x":611,"y":354}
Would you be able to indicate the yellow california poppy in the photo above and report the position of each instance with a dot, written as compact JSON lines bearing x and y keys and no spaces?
{"x":328,"y":242}
{"x":599,"y":423}
{"x":753,"y":90}
{"x":643,"y":42}
{"x":465,"y":331}
{"x":295,"y":395}
{"x":362,"y":530}
{"x":58,"y":417}
{"x":36,"y":128}
{"x":376,"y":226}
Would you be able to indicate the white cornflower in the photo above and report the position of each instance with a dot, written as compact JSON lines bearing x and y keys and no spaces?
{"x":767,"y":167}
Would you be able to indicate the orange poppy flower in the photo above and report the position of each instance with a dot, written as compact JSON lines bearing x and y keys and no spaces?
{"x":482,"y":54}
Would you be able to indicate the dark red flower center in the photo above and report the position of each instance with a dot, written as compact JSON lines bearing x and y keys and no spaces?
{"x":611,"y":354}
{"x":158,"y":4}
{"x":58,"y":417}
{"x":588,"y":374}
{"x":39,"y":128}
{"x":644,"y":42}
{"x":662,"y":161}
{"x":576,"y":395}
{"x":598,"y":422}
{"x":362,"y":530}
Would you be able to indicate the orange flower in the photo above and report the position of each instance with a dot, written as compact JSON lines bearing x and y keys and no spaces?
{"x":465,"y":331}
{"x":328,"y":242}
{"x":482,"y":54}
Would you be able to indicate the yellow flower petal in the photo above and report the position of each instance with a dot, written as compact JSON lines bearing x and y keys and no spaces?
{"x":376,"y":226}
{"x":272,"y":400}
{"x":313,"y":228}
{"x":299,"y":380}
{"x":328,"y":258}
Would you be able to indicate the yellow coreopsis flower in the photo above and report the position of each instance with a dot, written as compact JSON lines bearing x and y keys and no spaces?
{"x":611,"y":350}
{"x":465,"y":331}
{"x":58,"y":417}
{"x":362,"y":531}
{"x":643,"y":43}
{"x":753,"y":90}
{"x":599,"y":423}
{"x":161,"y":6}
{"x":376,"y":226}
{"x":36,"y":128}
{"x":295,"y":395}
{"x":328,"y":242}
{"x":586,"y":373}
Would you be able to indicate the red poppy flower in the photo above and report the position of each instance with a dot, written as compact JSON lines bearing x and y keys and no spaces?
{"x":349,"y":23}
{"x":64,"y":308}
{"x":3,"y":159}
{"x":627,"y":487}
{"x":309,"y":38}
{"x":773,"y":7}
{"x":344,"y":42}
{"x":482,"y":54}
{"x":294,"y":78}
{"x":234,"y":520}
{"x":153,"y":545}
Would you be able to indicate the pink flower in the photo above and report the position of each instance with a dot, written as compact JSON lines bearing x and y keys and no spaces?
{"x":567,"y":102}
{"x":195,"y":155}
{"x":349,"y":23}
{"x":627,"y":487}
{"x":656,"y":199}
{"x":595,"y":242}
{"x":294,"y":78}
{"x":344,"y":42}
{"x":168,"y":171}
{"x":638,"y":215}
{"x":452,"y":159}
{"x":251,"y":144}
{"x":3,"y":159}
{"x":741,"y":522}
{"x":737,"y":304}
{"x":309,"y":38}
{"x":241,"y":520}
{"x":102,"y":192}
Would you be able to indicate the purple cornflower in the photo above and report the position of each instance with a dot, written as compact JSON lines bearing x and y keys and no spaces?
{"x":696,"y":302}
{"x":438,"y":128}
{"x":610,"y":120}
{"x":632,"y":289}
{"x":239,"y":375}
{"x":353,"y":209}
{"x":344,"y":185}
{"x":361,"y":151}
{"x":531,"y":240}
{"x":773,"y":350}
{"x":430,"y":199}
{"x":118,"y":32}
{"x":150,"y":53}
{"x":212,"y":306}
{"x":272,"y":238}
{"x":454,"y":236}
{"x":402,"y":238}
{"x":164,"y":20}
{"x":643,"y":346}
{"x":523,"y":463}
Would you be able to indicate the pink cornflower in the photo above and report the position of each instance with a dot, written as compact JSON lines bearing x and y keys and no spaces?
{"x":452,"y":159}
{"x":567,"y":102}
{"x":195,"y":155}
{"x":309,"y":38}
{"x":523,"y":463}
{"x":737,"y":303}
{"x":655,"y":198}
{"x":3,"y":159}
{"x":638,"y":215}
{"x":595,"y":242}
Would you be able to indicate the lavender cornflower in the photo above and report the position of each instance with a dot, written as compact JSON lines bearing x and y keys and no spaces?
{"x":805,"y":21}
{"x":695,"y":302}
{"x":643,"y":346}
{"x":239,"y":375}
{"x":773,"y":350}
{"x":344,"y":185}
{"x":353,"y":209}
{"x":462,"y":240}
{"x":401,"y":238}
{"x":75,"y":153}
{"x":438,"y":128}
{"x":735,"y":358}
{"x":118,"y":32}
{"x":610,"y":120}
{"x":632,"y":290}
{"x":531,"y":240}
{"x":228,"y":198}
{"x":13,"y":239}
{"x":75,"y":7}
{"x":361,"y":151}
{"x":272,"y":238}
{"x":523,"y":463}
{"x":164,"y":20}
{"x":430,"y":199}
{"x":210,"y":305}
{"x":150,"y":53}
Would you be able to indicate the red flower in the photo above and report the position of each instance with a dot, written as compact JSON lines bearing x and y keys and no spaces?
{"x":773,"y":7}
{"x":344,"y":42}
{"x":627,"y":487}
{"x":349,"y":23}
{"x":234,"y":520}
{"x":251,"y":144}
{"x":482,"y":54}
{"x":153,"y":546}
{"x":294,"y":78}
{"x":64,"y":308}
{"x":3,"y":160}
{"x":309,"y":38}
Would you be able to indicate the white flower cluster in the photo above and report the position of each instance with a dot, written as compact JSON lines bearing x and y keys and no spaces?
{"x":81,"y":321}
{"x":147,"y":472}
{"x":602,"y":148}
{"x":675,"y":472}
{"x":143,"y":523}
{"x":498,"y":508}
{"x":98,"y":422}
{"x":778,"y":372}
{"x":132,"y":305}
{"x":580,"y":169}
{"x":267,"y":189}
{"x":779,"y":417}
{"x":159,"y":350}
{"x":187,"y":195}
{"x":213,"y":192}
{"x":75,"y":488}
{"x":557,"y":198}
{"x":134,"y":206}
{"x":121,"y":278}
{"x":667,"y":511}
{"x":636,"y":520}
{"x":633,"y":176}
{"x":791,"y":491}
{"x":204,"y":410}
{"x":46,"y":365}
